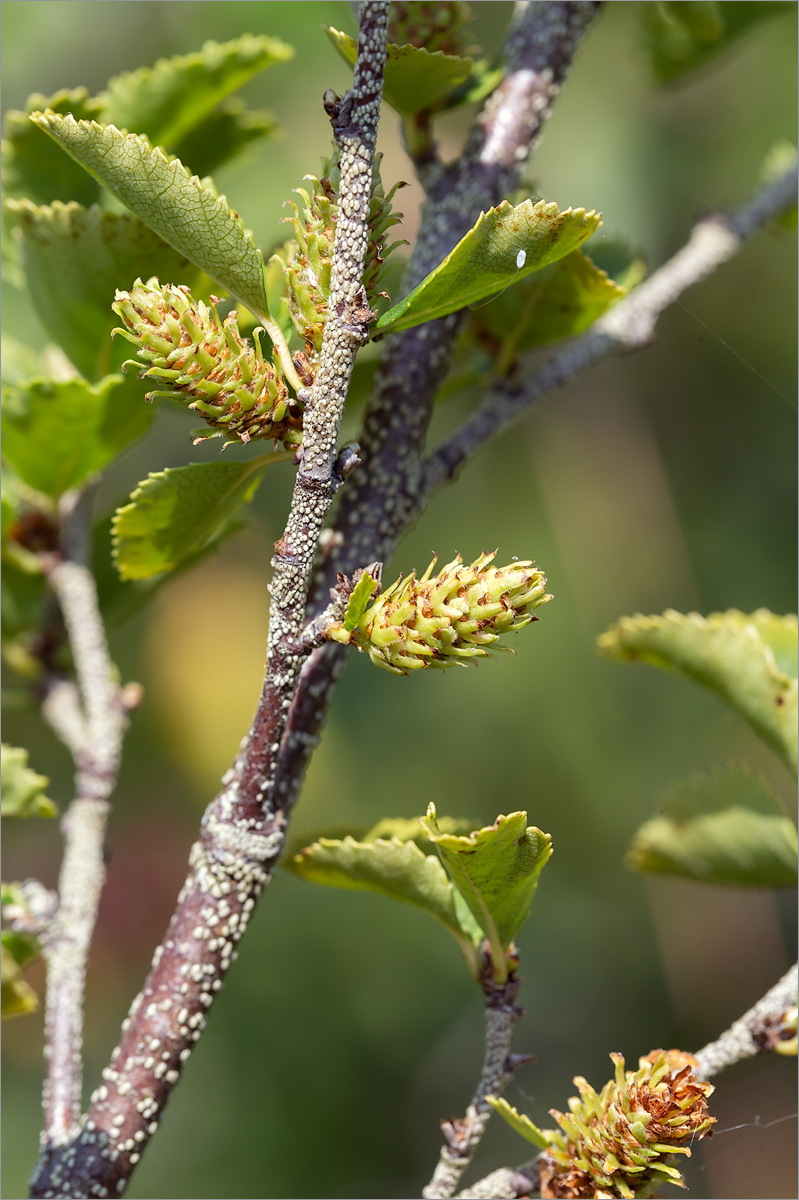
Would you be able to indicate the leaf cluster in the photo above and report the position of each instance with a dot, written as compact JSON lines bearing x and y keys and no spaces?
{"x":726,"y":827}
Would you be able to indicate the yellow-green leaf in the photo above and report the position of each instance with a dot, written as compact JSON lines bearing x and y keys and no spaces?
{"x":34,"y":168}
{"x":16,"y":996}
{"x":496,"y":871}
{"x":57,"y":434}
{"x":557,"y":302}
{"x":748,"y":659}
{"x":393,"y":868}
{"x":175,"y":513}
{"x":414,"y":79}
{"x":167,"y":101}
{"x":724,"y":828}
{"x":519,"y":1122}
{"x":359,"y":601}
{"x":179,"y":207}
{"x":505,"y":246}
{"x":74,"y":259}
{"x":22,"y":790}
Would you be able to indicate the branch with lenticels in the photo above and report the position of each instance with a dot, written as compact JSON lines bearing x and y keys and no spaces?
{"x":243,"y":829}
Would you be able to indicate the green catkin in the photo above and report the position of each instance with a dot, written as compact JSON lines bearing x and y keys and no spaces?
{"x":307,"y":260}
{"x":448,"y":618}
{"x":204,"y":361}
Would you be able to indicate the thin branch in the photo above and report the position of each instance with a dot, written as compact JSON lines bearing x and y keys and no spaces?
{"x":508,"y":1183}
{"x":462,"y":1136}
{"x":243,"y":829}
{"x":629,"y":325}
{"x":63,"y":712}
{"x":758,"y":1030}
{"x":90,"y":719}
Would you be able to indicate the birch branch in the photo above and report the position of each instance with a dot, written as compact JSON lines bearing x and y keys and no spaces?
{"x":462,"y":1136}
{"x":90,"y":718}
{"x":243,"y":829}
{"x":508,"y":1183}
{"x":763,"y":1027}
{"x":629,"y":325}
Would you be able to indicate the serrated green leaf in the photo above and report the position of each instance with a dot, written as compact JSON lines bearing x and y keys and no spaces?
{"x":359,"y":601}
{"x":414,"y":79}
{"x":729,"y":652}
{"x":22,"y":788}
{"x":74,"y":259}
{"x":34,"y":168}
{"x":683,"y":36}
{"x":724,"y":828}
{"x":393,"y":868}
{"x":557,"y":302}
{"x":518,"y":1122}
{"x":496,"y":870}
{"x":175,"y":513}
{"x":166,"y":102}
{"x":57,"y":434}
{"x":16,"y":996}
{"x":486,"y":260}
{"x":223,"y":135}
{"x":122,"y":599}
{"x":180,"y":208}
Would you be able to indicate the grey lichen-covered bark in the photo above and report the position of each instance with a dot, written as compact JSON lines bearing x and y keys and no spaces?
{"x":242,"y":831}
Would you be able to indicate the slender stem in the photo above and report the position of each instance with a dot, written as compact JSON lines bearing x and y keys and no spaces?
{"x":508,"y":1183}
{"x":281,"y":345}
{"x":462,"y":1136}
{"x":758,"y":1030}
{"x":90,"y":719}
{"x":628,"y":326}
{"x":244,"y":826}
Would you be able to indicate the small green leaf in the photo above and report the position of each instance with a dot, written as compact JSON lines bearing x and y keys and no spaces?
{"x":359,"y":602}
{"x":732,"y":653}
{"x":166,"y":102}
{"x":488,"y":259}
{"x":22,"y":789}
{"x":180,"y":208}
{"x":519,"y":1123}
{"x":16,"y":996}
{"x":175,"y":513}
{"x":122,"y":599}
{"x":725,"y":828}
{"x":223,"y":135}
{"x":557,"y":302}
{"x":393,"y":868}
{"x":496,"y":870}
{"x":57,"y":434}
{"x":74,"y":259}
{"x":35,"y":169}
{"x":414,"y":78}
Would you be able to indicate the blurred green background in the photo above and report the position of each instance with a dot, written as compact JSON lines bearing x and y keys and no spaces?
{"x":349,"y":1027}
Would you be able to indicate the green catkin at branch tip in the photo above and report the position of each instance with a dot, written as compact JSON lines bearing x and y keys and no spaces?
{"x":448,"y":618}
{"x":185,"y":346}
